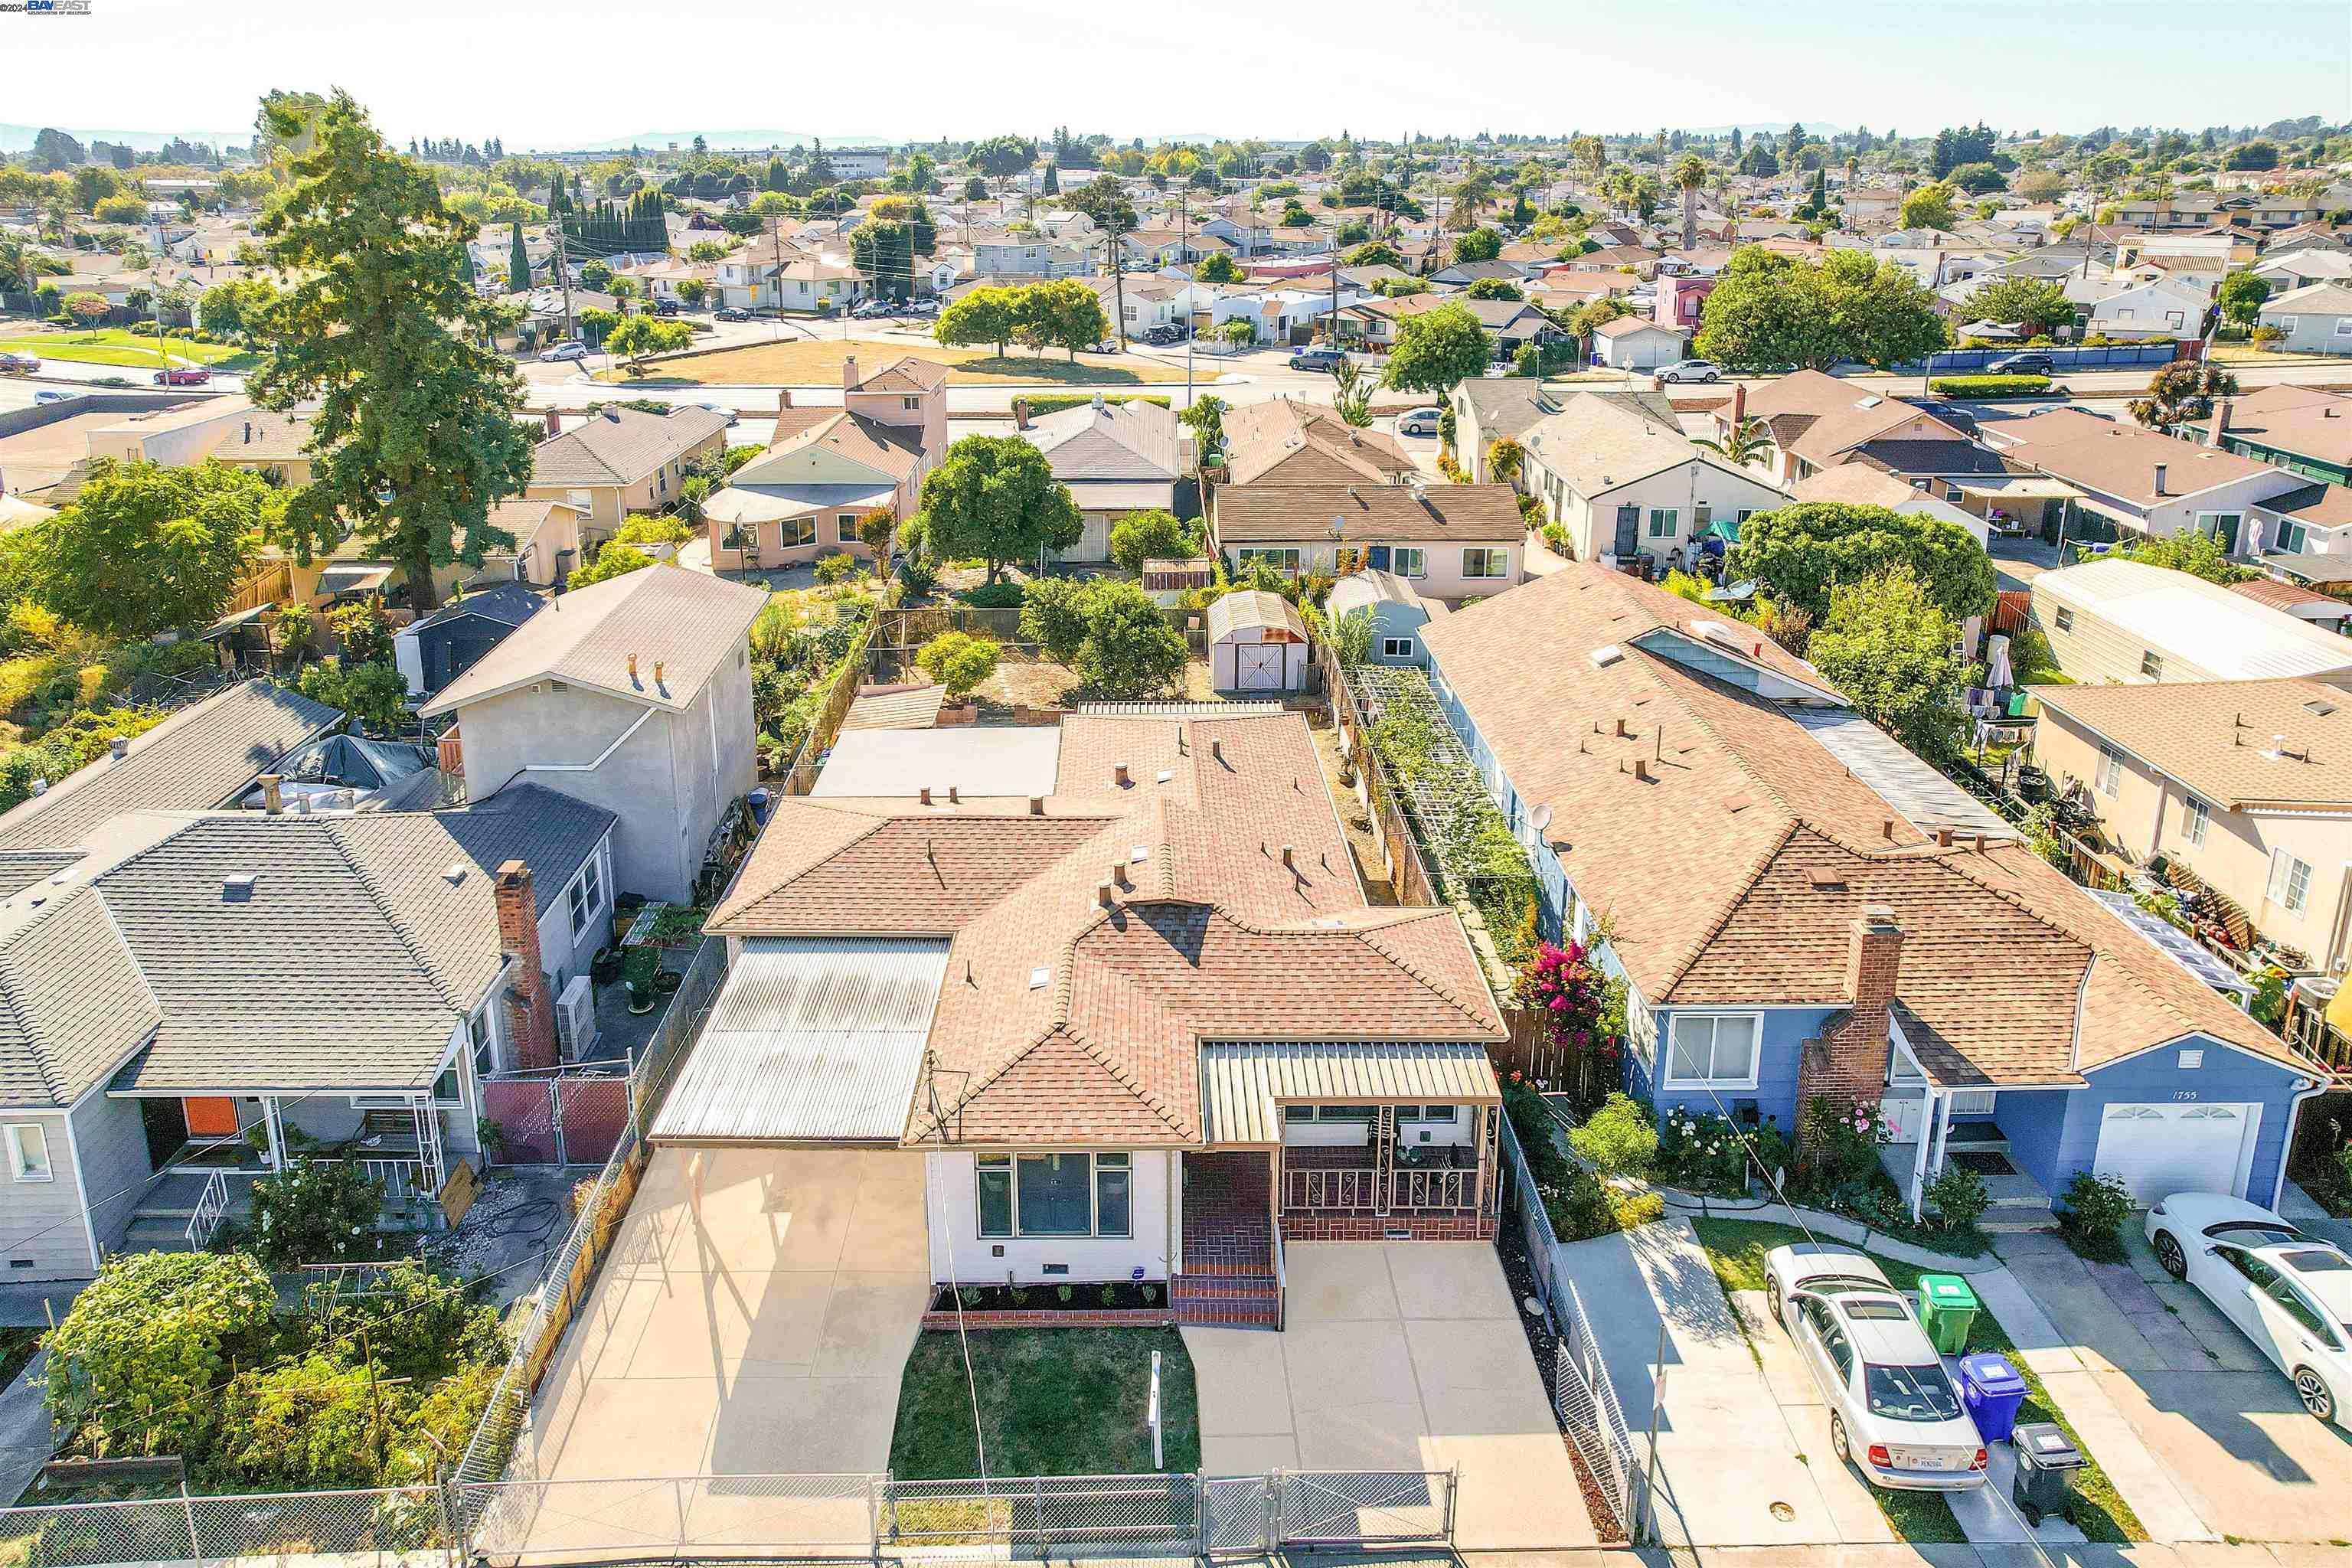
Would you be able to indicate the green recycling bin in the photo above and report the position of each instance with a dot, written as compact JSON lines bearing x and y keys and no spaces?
{"x":1947,"y":1309}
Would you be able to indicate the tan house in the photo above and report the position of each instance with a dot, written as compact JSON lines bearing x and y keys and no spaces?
{"x":2247,"y":784}
{"x":827,"y":467}
{"x":623,"y":461}
{"x":1280,"y":442}
{"x":1449,"y":542}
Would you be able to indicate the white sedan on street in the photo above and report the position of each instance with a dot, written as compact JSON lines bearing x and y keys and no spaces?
{"x":2290,"y":1293}
{"x":1894,"y":1414}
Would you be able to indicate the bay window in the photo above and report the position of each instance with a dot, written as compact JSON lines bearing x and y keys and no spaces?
{"x":1075,"y":1195}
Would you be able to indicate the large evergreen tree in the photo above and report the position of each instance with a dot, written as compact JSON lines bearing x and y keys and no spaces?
{"x":518,"y":265}
{"x":416,"y":437}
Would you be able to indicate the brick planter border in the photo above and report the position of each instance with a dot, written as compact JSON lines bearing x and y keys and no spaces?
{"x":1046,"y":1318}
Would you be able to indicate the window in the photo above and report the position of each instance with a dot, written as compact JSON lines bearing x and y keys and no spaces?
{"x":1702,"y":516}
{"x":1284,"y":559}
{"x":2290,"y":886}
{"x":1054,"y":1194}
{"x":1714,"y":1048}
{"x":485,"y":1043}
{"x":1745,"y":513}
{"x":28,"y":1152}
{"x":797,"y":530}
{"x":2065,"y":620}
{"x":1396,"y":647}
{"x":1840,"y":1351}
{"x":1909,"y":1392}
{"x":1294,"y":1114}
{"x":2151,"y":664}
{"x":1345,"y":1112}
{"x":1665,"y":522}
{"x":587,"y":893}
{"x":1485,"y":563}
{"x":2344,"y":326}
{"x":846,"y":529}
{"x":2195,"y":817}
{"x":1413,"y":563}
{"x":2110,"y":776}
{"x":910,"y":403}
{"x":2292,"y":536}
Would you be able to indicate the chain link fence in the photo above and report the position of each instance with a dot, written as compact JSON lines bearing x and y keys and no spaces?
{"x":376,"y":1526}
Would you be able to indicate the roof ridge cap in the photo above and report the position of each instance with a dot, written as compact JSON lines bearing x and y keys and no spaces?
{"x":1426,"y":981}
{"x":334,"y":830}
{"x":1722,"y":917}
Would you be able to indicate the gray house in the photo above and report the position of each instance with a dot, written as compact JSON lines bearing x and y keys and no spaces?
{"x":1397,"y":614}
{"x":633,"y":695}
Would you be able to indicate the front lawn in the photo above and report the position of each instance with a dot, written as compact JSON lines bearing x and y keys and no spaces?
{"x":1737,"y":1248}
{"x":1052,"y":1402}
{"x":794,"y":362}
{"x":113,"y":346}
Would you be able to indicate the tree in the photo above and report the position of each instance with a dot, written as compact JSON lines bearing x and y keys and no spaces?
{"x":1478,"y":245}
{"x":1237,"y":331}
{"x":2035,"y":305}
{"x":1351,"y":394}
{"x":641,"y":334}
{"x":958,"y":661}
{"x":877,"y":528}
{"x":1379,"y":253}
{"x":2242,"y":297}
{"x":1745,"y":442}
{"x":616,"y":559}
{"x":1689,"y":175}
{"x":2182,"y":393}
{"x":146,"y":1341}
{"x":1802,"y":552}
{"x":1770,"y":311}
{"x":1494,"y":288}
{"x":2040,"y":185}
{"x":985,"y":315}
{"x":1978,"y":179}
{"x":416,"y":432}
{"x":996,"y":497}
{"x":1438,"y":348}
{"x":1217,"y":267}
{"x":121,"y":207}
{"x":1887,"y":645}
{"x":1206,"y":419}
{"x":1130,"y":649}
{"x":87,"y":307}
{"x":2258,"y":155}
{"x":146,"y":548}
{"x":236,"y":307}
{"x":2198,"y":554}
{"x":1154,"y":534}
{"x":54,"y":150}
{"x":1063,"y":313}
{"x":1053,"y":616}
{"x":1505,"y":459}
{"x":1929,"y":207}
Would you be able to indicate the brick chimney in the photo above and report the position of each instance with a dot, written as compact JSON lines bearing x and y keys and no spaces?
{"x":2220,"y":422}
{"x":530,"y":1011}
{"x":555,"y":424}
{"x":849,"y":373}
{"x":1848,"y":1063}
{"x":1738,"y":402}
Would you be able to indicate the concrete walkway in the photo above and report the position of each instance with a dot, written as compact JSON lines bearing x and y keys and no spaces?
{"x":27,"y":1442}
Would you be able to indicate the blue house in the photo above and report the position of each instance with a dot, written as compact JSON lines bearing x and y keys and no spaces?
{"x":1800,"y":908}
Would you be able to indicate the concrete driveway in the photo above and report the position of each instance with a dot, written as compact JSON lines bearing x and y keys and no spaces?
{"x":2216,"y":1417}
{"x":1397,"y":1356}
{"x":759,"y":1327}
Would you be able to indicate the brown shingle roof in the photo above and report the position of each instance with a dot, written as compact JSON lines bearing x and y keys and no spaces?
{"x":2118,"y":460}
{"x":1379,"y":514}
{"x":622,"y":445}
{"x":2215,"y":736}
{"x":1279,"y":441}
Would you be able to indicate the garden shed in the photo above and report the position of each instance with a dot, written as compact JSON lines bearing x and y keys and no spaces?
{"x":1256,"y":643}
{"x":437,"y":650}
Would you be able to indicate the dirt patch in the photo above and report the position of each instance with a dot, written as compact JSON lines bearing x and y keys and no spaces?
{"x":1361,"y":842}
{"x":797,"y":361}
{"x":1023,"y":679}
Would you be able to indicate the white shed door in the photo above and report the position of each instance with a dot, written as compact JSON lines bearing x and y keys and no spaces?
{"x":1257,"y":666}
{"x":2160,"y":1149}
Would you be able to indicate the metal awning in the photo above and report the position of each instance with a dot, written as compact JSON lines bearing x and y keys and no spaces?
{"x":231,"y":621}
{"x":812,"y":1039}
{"x":362,"y":577}
{"x":1243,"y":1084}
{"x":2021,"y":487}
{"x":2179,"y":946}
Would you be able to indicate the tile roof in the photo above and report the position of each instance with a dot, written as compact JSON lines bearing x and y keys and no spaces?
{"x":689,"y":623}
{"x":2217,"y":738}
{"x":1734,"y":869}
{"x":1061,"y":1019}
{"x":621,"y":446}
{"x":203,"y":756}
{"x":1410,"y":514}
{"x":1280,"y":441}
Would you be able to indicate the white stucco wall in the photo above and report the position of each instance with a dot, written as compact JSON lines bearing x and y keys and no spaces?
{"x":958,"y":1245}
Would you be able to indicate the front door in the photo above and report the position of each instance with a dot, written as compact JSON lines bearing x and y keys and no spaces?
{"x":1629,"y":531}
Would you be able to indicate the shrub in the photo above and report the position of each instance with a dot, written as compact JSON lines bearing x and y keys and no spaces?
{"x":297,"y":626}
{"x":146,"y":1339}
{"x":958,"y":661}
{"x":919,"y":574}
{"x":1152,"y":534}
{"x":1130,"y":650}
{"x":1702,"y":1151}
{"x":363,"y":629}
{"x":1989,"y":385}
{"x":375,"y":693}
{"x":2096,"y":1207}
{"x":1004,"y":594}
{"x":615,"y":560}
{"x":835,"y":570}
{"x":315,"y":1211}
{"x":642,"y":528}
{"x":1837,"y":1145}
{"x":1619,"y":1139}
{"x":1958,"y":1196}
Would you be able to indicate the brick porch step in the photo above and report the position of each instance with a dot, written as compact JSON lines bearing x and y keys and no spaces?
{"x":1220,"y":1287}
{"x":1226,"y":1303}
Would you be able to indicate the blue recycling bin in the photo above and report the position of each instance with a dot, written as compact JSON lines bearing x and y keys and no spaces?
{"x":1992,"y":1390}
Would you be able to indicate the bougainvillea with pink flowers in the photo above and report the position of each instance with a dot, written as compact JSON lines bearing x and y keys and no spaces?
{"x":1584,"y":1009}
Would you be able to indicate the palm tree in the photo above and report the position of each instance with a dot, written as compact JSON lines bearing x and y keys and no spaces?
{"x":1689,"y":175}
{"x":1744,"y":443}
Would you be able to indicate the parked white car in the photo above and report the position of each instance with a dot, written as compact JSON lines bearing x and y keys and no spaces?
{"x":1690,"y":369}
{"x":1894,"y":1413}
{"x":1417,"y":422}
{"x":2288,"y":1292}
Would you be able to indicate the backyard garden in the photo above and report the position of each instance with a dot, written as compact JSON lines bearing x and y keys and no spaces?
{"x":1052,"y":1402}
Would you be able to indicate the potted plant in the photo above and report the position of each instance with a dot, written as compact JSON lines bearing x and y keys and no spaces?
{"x":641,"y":967}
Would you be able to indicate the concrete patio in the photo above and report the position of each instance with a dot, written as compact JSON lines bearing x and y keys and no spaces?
{"x":1397,"y":1356}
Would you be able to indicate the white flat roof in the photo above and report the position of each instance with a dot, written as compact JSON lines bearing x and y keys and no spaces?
{"x":2234,"y":636}
{"x":979,"y":763}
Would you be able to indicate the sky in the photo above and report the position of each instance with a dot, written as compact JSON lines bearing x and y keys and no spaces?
{"x":551,"y":77}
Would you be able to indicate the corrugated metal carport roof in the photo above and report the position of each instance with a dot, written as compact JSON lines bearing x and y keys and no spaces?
{"x":1243,"y":1083}
{"x":812,"y":1039}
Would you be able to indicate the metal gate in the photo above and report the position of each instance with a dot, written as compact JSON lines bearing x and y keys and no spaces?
{"x":1039,"y":1511}
{"x":563,"y":1118}
{"x":1235,"y":1512}
{"x":523,"y":1110}
{"x":1364,"y":1508}
{"x":591,"y":1114}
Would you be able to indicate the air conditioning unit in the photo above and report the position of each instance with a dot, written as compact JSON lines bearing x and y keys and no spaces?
{"x":575,"y":1019}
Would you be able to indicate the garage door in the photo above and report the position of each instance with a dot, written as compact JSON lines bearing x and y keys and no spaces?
{"x":2159,"y":1149}
{"x":1257,"y":666}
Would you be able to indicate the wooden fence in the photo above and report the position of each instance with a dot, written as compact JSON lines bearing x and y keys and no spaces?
{"x":799,"y":777}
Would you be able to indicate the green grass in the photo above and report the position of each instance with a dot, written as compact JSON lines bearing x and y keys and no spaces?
{"x":111,"y":345}
{"x":1054,"y":1402}
{"x":1737,"y":1248}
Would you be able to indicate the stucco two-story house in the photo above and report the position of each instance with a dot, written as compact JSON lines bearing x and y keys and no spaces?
{"x":2140,"y":481}
{"x":1804,"y":910}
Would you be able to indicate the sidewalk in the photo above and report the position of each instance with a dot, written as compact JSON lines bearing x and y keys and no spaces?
{"x":25,"y":1443}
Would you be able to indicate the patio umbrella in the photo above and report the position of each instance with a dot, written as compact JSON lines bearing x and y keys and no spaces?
{"x":1997,"y":670}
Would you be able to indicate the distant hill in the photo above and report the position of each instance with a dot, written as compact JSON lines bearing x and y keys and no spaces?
{"x":725,"y":141}
{"x":19,"y":138}
{"x":1820,"y":127}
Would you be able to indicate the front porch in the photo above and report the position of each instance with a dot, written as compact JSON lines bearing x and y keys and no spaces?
{"x":1932,"y":1123}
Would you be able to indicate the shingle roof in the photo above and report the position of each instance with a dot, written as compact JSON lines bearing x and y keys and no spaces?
{"x":1735,"y":868}
{"x":1062,"y":1019}
{"x":2217,"y":737}
{"x":1597,"y":444}
{"x":2305,"y":420}
{"x":198,"y":758}
{"x":689,"y":623}
{"x":2314,"y":300}
{"x":509,"y":604}
{"x":621,"y":446}
{"x":1822,"y":418}
{"x":2117,"y":459}
{"x":1129,"y":440}
{"x":1280,"y":441}
{"x":1471,"y":514}
{"x":905,"y":373}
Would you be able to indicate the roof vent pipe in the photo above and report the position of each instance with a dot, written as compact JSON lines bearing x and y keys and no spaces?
{"x":1036,"y":806}
{"x":1943,"y":839}
{"x":119,"y":747}
{"x":1217,"y":749}
{"x":273,"y":799}
{"x":633,"y":666}
{"x":1103,"y":896}
{"x":1119,"y":774}
{"x":1290,"y":857}
{"x":926,"y":795}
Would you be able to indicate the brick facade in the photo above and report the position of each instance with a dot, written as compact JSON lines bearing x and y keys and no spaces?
{"x":1848,"y":1063}
{"x":530,"y":1011}
{"x":1377,"y":1227}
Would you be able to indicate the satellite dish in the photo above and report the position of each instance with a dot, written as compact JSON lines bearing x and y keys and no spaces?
{"x":1541,"y":819}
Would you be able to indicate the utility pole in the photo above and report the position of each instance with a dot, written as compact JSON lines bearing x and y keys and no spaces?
{"x":1118,"y":273}
{"x":563,"y":276}
{"x":1184,"y":255}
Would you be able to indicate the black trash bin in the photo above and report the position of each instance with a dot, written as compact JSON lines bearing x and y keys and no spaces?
{"x":2046,"y":1462}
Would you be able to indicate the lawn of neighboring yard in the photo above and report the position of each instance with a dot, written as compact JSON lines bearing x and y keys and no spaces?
{"x":16,"y":1348}
{"x":1737,"y":1249}
{"x":111,"y":345}
{"x":796,"y":362}
{"x":1054,"y":1402}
